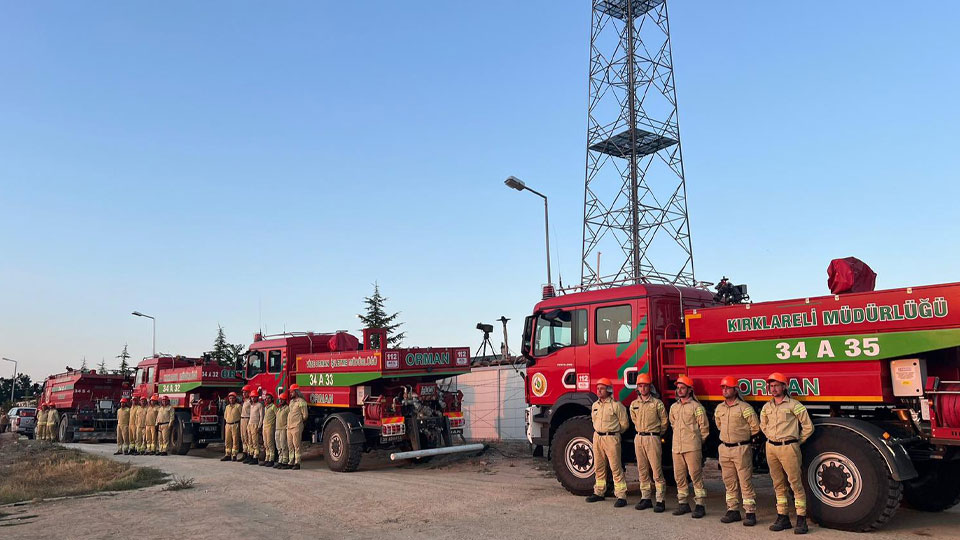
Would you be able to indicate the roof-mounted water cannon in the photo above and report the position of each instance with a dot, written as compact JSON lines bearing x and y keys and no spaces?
{"x":728,"y":293}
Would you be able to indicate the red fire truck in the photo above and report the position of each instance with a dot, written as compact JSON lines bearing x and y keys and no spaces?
{"x":197,"y":388}
{"x":879,"y":372}
{"x":366,"y":397}
{"x":87,"y":402}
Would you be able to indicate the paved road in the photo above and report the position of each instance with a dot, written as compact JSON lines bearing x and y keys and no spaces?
{"x":487,"y":497}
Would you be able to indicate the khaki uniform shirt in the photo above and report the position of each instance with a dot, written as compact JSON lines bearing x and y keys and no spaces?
{"x":245,"y":409}
{"x":165,"y":414}
{"x":690,"y":426}
{"x":150,"y":418}
{"x":282,"y":416}
{"x":41,"y":419}
{"x":53,"y":417}
{"x":297,"y":413}
{"x":256,"y":414}
{"x":270,"y":416}
{"x":788,"y":420}
{"x":141,"y":417}
{"x":737,"y":423}
{"x":609,"y":416}
{"x":123,"y":416}
{"x":231,"y":414}
{"x":649,"y":416}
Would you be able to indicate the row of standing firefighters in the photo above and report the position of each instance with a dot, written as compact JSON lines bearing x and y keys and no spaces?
{"x":264,"y":430}
{"x":783,"y":420}
{"x":48,"y":418}
{"x":143,"y":427}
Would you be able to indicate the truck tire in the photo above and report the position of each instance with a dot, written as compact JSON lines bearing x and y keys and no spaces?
{"x":339,"y":451}
{"x":848,"y":484}
{"x":571,"y":452}
{"x":64,"y":431}
{"x":936,"y":489}
{"x":177,"y":443}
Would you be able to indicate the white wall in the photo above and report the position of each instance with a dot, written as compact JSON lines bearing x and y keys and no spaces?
{"x":493,"y":403}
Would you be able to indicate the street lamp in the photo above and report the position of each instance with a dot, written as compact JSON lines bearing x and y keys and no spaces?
{"x":13,"y":382}
{"x":138,"y":314}
{"x":517,"y":184}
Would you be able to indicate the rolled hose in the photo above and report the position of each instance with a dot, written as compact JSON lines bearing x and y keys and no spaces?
{"x":948,"y":405}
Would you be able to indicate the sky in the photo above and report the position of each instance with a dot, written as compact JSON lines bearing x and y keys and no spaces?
{"x":261,"y":165}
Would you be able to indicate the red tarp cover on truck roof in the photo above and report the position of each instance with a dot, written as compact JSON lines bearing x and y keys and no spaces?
{"x":850,"y":275}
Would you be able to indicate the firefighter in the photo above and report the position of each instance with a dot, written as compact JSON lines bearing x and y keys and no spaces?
{"x":142,"y":427}
{"x":281,"y":432}
{"x":164,"y":423}
{"x":4,"y":422}
{"x":53,"y":422}
{"x":650,"y":420}
{"x":269,"y":427}
{"x":254,"y":428}
{"x":123,"y":428}
{"x":690,"y":429}
{"x":609,"y":421}
{"x":132,"y":426}
{"x":738,"y":425}
{"x":40,"y":423}
{"x":786,"y":424}
{"x":150,"y":426}
{"x":296,"y":420}
{"x":231,"y":429}
{"x":244,"y":419}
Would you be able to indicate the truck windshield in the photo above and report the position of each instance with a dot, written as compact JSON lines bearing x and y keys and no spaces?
{"x":255,"y":364}
{"x":558,"y":329}
{"x":140,"y":376}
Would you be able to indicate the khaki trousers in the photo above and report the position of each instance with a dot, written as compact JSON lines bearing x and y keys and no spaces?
{"x":649,"y":452}
{"x":606,"y":453}
{"x":142,"y":438}
{"x":294,"y":434}
{"x":281,"y":434}
{"x":244,"y":435}
{"x":151,"y":437}
{"x":253,"y":440}
{"x":736,"y":465}
{"x":231,"y":439}
{"x":123,"y":438}
{"x":689,"y":463}
{"x":269,"y":444}
{"x":784,"y":462}
{"x":163,"y":438}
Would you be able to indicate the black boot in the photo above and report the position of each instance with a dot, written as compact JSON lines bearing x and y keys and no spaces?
{"x":225,"y":458}
{"x":730,"y":516}
{"x":594,"y":498}
{"x":801,"y":527}
{"x":278,"y":465}
{"x":296,"y":467}
{"x":233,"y":458}
{"x":620,"y":503}
{"x":117,"y":453}
{"x":682,"y":509}
{"x":644,"y":504}
{"x":782,"y":523}
{"x":698,"y":511}
{"x":751,"y":520}
{"x":659,"y":507}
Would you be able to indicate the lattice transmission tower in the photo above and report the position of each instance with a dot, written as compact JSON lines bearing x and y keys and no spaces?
{"x":635,"y":202}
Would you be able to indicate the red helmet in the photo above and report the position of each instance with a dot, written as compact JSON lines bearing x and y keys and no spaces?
{"x":284,"y":395}
{"x":777,"y":376}
{"x":246,"y":388}
{"x":644,"y":378}
{"x":604,"y":381}
{"x":153,"y":398}
{"x":729,"y":382}
{"x":683,"y":379}
{"x":124,"y":400}
{"x":294,"y":387}
{"x":232,"y":394}
{"x":164,"y":398}
{"x":253,"y":396}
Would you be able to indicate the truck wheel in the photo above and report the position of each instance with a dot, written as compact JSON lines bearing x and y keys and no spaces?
{"x":64,"y":432}
{"x":177,"y":444}
{"x":936,"y":489}
{"x":340,"y":454}
{"x":848,"y":484}
{"x":571,"y":453}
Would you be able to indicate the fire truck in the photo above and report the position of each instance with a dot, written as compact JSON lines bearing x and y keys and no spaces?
{"x":879,"y":372}
{"x":197,"y":388}
{"x":366,"y":397}
{"x":87,"y":402}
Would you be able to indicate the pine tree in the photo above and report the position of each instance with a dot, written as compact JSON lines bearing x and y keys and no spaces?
{"x":376,"y":317}
{"x":83,"y":365}
{"x":221,"y":352}
{"x":124,"y":356}
{"x":102,"y":367}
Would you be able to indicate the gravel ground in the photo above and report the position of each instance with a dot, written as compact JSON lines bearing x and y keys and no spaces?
{"x":501,"y":494}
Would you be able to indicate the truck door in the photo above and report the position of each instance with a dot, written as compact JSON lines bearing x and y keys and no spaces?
{"x":619,"y":349}
{"x":274,"y":371}
{"x":558,"y":342}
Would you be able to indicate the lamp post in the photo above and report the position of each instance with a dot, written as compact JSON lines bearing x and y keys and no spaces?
{"x":13,"y":382}
{"x":138,"y":314}
{"x":517,"y":184}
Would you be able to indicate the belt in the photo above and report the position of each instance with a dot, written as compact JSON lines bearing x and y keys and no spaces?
{"x":601,"y":433}
{"x":162,"y":423}
{"x":734,"y":445}
{"x":648,"y":433}
{"x":244,"y":417}
{"x":781,"y":443}
{"x":232,"y":423}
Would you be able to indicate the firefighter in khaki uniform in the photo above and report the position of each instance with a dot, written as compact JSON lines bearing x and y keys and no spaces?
{"x":164,"y":423}
{"x":231,"y":429}
{"x":40,"y":423}
{"x":281,"y":432}
{"x":296,"y":420}
{"x":609,"y":421}
{"x":738,"y":424}
{"x":150,"y":426}
{"x":254,"y":428}
{"x":786,"y":424}
{"x":142,"y":427}
{"x":269,"y":426}
{"x":690,"y":429}
{"x":53,"y":422}
{"x":132,"y":426}
{"x":123,"y":428}
{"x":650,"y":420}
{"x":244,"y":420}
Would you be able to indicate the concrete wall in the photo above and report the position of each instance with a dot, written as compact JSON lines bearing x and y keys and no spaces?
{"x":493,"y":403}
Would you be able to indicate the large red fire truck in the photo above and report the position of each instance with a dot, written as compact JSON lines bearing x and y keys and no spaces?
{"x":362,"y":398}
{"x":879,"y":372}
{"x":87,"y":402}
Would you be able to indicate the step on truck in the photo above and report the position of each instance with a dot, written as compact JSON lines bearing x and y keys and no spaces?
{"x":87,"y":403}
{"x":878,"y":371}
{"x":197,"y":388}
{"x":366,"y":397}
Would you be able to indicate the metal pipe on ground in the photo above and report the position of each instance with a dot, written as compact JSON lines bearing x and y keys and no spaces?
{"x":437,"y":451}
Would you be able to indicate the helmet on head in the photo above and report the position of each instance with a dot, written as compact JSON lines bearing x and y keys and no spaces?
{"x":232,"y":394}
{"x":153,"y":398}
{"x":294,"y":387}
{"x":777,"y":376}
{"x":246,"y":388}
{"x":124,"y":400}
{"x":684,"y":380}
{"x":644,"y":378}
{"x":284,"y":395}
{"x":729,"y":382}
{"x":604,"y":381}
{"x":164,"y":399}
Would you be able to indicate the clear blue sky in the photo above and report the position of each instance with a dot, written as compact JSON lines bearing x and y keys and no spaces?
{"x":194,"y":160}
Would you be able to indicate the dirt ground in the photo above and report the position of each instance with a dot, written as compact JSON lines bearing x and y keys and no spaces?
{"x":504,"y":493}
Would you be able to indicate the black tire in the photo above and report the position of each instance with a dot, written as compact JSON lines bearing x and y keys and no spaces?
{"x":64,"y":431}
{"x":936,"y":489}
{"x":571,"y":453}
{"x":340,"y":453}
{"x":177,"y":443}
{"x":865,"y":495}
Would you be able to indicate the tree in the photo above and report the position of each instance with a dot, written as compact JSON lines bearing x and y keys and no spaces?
{"x":225,"y":353}
{"x":24,"y":389}
{"x":102,"y":367}
{"x":83,"y":366}
{"x":124,"y":356}
{"x":376,"y":317}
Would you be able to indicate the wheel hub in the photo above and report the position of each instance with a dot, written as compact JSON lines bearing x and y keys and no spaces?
{"x":579,"y":454}
{"x":835,"y":479}
{"x":336,"y":447}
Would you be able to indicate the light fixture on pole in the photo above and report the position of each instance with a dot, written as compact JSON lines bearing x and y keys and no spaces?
{"x":517,"y":184}
{"x":13,"y":381}
{"x":138,"y":314}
